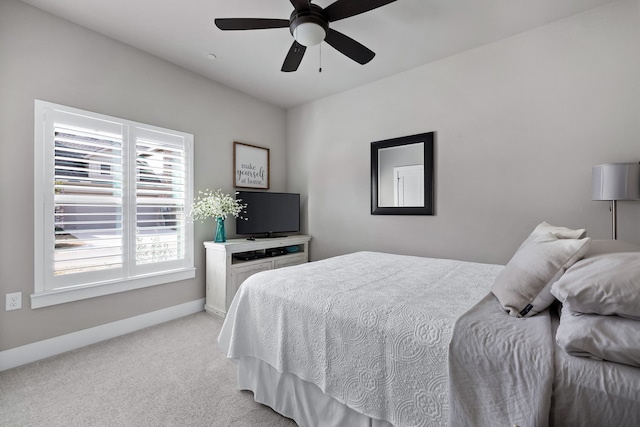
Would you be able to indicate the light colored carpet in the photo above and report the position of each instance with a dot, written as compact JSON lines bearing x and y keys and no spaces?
{"x":171,"y":374}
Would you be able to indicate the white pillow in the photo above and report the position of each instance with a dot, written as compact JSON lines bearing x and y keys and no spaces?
{"x":601,"y":247}
{"x":604,"y":284}
{"x":559,"y":232}
{"x":598,"y":337}
{"x":523,"y":287}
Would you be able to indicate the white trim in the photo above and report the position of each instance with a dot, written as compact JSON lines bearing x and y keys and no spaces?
{"x":50,"y":347}
{"x":61,"y":296}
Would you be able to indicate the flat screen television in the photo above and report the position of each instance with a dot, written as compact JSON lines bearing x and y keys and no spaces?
{"x":268,"y":214}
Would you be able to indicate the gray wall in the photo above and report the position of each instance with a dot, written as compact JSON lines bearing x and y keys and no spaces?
{"x":44,"y":57}
{"x":519,"y":124}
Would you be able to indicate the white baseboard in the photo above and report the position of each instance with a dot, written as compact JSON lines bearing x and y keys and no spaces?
{"x":50,"y":347}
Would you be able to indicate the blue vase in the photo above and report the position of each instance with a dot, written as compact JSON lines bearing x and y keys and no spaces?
{"x":221,"y":236}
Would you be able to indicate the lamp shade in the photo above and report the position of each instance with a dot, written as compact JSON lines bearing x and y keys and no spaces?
{"x":616,"y":181}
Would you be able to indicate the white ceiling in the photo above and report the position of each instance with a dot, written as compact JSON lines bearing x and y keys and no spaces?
{"x":403,"y":34}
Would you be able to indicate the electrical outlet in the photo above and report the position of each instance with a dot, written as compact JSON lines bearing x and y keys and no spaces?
{"x":14,"y":301}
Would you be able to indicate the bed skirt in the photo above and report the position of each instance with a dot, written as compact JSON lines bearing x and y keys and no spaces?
{"x":294,"y":398}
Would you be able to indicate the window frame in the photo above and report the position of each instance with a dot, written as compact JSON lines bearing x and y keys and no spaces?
{"x":47,"y":290}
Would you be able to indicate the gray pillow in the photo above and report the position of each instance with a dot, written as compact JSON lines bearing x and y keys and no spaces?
{"x":599,"y":337}
{"x":559,"y":232}
{"x":603,"y":284}
{"x":523,"y":287}
{"x":601,"y":247}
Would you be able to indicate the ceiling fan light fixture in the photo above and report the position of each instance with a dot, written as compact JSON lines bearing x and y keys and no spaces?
{"x":309,"y":26}
{"x":309,"y":34}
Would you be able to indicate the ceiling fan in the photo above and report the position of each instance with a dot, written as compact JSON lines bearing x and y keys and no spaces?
{"x":309,"y":26}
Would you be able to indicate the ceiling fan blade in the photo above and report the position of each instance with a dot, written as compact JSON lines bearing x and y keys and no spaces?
{"x":250,"y":23}
{"x":341,"y":9}
{"x":299,"y":5}
{"x":294,"y":57}
{"x":349,"y":47}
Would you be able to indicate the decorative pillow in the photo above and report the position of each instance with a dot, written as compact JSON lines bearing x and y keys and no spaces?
{"x":559,"y":232}
{"x":604,"y":284}
{"x":598,"y":337}
{"x":523,"y":287}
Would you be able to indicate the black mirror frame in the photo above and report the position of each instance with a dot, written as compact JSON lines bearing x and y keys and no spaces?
{"x":429,"y":203}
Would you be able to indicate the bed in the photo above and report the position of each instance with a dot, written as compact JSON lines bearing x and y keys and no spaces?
{"x":522,"y":376}
{"x":374,"y":339}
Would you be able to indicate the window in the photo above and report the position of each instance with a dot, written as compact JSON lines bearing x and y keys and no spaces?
{"x":110,"y":197}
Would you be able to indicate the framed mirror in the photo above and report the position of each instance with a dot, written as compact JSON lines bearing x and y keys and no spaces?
{"x":402,"y":175}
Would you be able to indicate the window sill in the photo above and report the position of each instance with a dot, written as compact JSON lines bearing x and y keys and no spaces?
{"x":61,"y":296}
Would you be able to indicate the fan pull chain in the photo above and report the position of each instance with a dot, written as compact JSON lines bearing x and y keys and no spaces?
{"x":320,"y":69}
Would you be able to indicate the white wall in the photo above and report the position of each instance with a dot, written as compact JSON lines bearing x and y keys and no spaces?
{"x":42,"y":56}
{"x":519,"y":124}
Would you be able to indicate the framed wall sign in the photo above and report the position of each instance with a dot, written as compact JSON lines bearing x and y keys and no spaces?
{"x":251,"y":166}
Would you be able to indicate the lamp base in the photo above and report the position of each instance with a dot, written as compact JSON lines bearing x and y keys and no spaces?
{"x":614,"y":220}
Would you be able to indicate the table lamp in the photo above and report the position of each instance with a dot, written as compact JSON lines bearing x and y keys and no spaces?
{"x":613,"y":182}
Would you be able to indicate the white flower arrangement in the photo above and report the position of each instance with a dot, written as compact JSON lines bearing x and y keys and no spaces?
{"x":215,"y":204}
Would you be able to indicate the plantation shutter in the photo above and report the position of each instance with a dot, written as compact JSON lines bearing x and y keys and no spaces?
{"x":110,"y":197}
{"x":161,"y":193}
{"x":88,"y":173}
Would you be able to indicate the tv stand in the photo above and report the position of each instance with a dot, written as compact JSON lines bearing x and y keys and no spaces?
{"x":225,"y":273}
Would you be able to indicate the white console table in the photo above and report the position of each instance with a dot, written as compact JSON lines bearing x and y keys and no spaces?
{"x":225,"y":273}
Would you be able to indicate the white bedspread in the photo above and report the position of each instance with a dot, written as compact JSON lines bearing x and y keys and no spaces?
{"x":370,"y":329}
